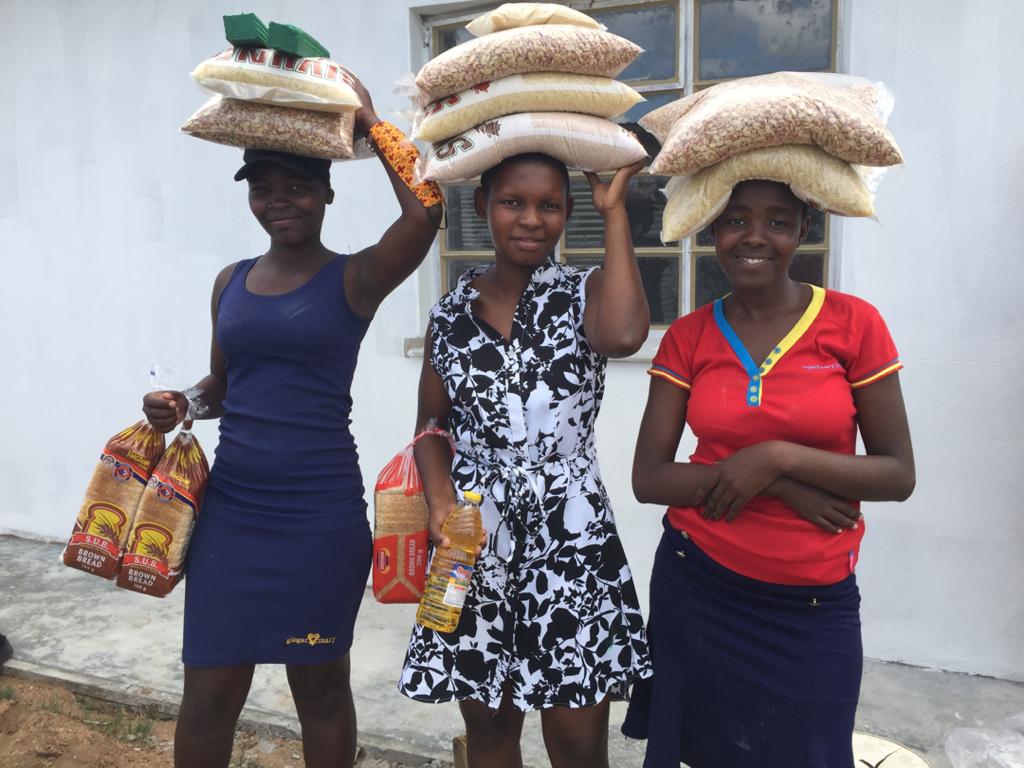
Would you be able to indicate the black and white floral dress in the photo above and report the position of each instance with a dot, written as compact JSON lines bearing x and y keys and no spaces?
{"x":551,"y":610}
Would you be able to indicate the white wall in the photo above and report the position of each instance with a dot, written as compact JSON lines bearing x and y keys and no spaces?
{"x":942,"y":575}
{"x":113,"y":225}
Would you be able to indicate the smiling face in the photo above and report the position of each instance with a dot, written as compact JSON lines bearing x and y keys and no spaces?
{"x":289,"y":205}
{"x":758,"y":232}
{"x":526,"y":205}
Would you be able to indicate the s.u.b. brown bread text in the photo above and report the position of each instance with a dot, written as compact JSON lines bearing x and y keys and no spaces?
{"x":111,"y":499}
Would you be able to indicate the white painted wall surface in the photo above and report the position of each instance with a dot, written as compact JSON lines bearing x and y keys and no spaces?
{"x":113,"y":226}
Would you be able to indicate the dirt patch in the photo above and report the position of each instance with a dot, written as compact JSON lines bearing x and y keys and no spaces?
{"x":46,"y":726}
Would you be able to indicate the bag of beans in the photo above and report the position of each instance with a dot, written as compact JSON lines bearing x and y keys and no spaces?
{"x":533,"y":92}
{"x":156,"y":547}
{"x":113,"y":494}
{"x":843,"y":115}
{"x":580,"y":141}
{"x":272,"y":77}
{"x":816,"y":177}
{"x":512,"y":15}
{"x":400,"y":535}
{"x":262,"y":126}
{"x":541,"y":48}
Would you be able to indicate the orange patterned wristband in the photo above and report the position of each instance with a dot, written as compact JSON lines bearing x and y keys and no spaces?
{"x":402,"y":155}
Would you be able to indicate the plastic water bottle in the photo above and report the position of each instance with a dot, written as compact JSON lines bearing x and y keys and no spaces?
{"x":451,"y":569}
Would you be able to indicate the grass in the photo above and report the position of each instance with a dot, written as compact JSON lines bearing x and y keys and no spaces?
{"x":52,"y":705}
{"x":6,"y":693}
{"x":119,"y":723}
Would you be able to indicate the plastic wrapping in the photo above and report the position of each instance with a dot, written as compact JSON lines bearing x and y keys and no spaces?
{"x":284,"y":129}
{"x":842,"y":114}
{"x":111,"y":499}
{"x":512,"y":15}
{"x":533,"y":92}
{"x":542,"y":48}
{"x":580,"y":141}
{"x":272,"y":77}
{"x":1001,"y":747}
{"x":820,"y":180}
{"x":155,"y":554}
{"x":400,"y":535}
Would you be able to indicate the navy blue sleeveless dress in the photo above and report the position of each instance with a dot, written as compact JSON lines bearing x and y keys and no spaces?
{"x":281,"y":553}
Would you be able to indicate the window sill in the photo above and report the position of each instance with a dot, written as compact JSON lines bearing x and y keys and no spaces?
{"x":413,"y":347}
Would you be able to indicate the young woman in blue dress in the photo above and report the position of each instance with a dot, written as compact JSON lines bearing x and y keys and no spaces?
{"x":281,"y":551}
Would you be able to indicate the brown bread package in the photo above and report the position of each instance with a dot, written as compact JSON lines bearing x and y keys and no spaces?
{"x":158,"y":542}
{"x":113,"y":494}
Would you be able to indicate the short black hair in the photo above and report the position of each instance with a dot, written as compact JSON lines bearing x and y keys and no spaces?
{"x":487,"y":177}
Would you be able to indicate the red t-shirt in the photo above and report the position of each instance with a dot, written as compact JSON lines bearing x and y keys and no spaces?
{"x":801,"y":393}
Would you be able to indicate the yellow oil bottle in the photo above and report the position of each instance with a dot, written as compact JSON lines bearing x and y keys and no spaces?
{"x":451,"y":568}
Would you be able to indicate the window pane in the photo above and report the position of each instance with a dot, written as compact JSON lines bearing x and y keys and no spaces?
{"x":654,"y":29}
{"x":466,"y":231}
{"x":808,"y":267}
{"x":660,"y":275}
{"x":711,"y":282}
{"x":815,"y":235}
{"x":645,"y":204}
{"x":738,"y":38}
{"x":450,"y":37}
{"x":455,"y":267}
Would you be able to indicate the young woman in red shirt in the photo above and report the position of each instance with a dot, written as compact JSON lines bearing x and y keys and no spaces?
{"x":754,"y":623}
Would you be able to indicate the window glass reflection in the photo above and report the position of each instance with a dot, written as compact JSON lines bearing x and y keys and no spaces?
{"x":660,"y":276}
{"x":645,"y":205}
{"x":738,"y":38}
{"x":654,"y":29}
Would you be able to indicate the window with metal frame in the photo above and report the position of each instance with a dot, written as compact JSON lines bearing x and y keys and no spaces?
{"x":740,"y":38}
{"x":657,"y":74}
{"x":729,"y":38}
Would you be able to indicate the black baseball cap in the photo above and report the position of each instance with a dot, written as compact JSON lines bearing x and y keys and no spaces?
{"x":314,"y":167}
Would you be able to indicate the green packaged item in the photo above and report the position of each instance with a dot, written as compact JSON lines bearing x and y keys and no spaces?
{"x":245,"y":30}
{"x":295,"y":42}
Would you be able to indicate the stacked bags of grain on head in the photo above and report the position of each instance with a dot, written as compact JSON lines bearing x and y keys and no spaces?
{"x":538,"y":77}
{"x":276,"y":88}
{"x":818,"y":133}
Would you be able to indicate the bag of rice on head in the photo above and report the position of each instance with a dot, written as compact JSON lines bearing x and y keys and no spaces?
{"x":168,"y":509}
{"x":512,"y":15}
{"x":843,"y":115}
{"x":583,"y":142}
{"x":522,"y":50}
{"x":271,"y":77}
{"x":113,"y":494}
{"x":400,"y":521}
{"x":816,"y":177}
{"x":533,"y":92}
{"x":252,"y":125}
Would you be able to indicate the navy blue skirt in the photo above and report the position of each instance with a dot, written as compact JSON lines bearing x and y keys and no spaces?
{"x":747,"y":674}
{"x":259,"y":593}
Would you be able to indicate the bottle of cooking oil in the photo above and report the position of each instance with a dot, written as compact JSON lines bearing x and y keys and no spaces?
{"x":451,"y":569}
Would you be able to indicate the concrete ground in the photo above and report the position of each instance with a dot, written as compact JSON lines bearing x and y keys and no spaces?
{"x":74,"y":628}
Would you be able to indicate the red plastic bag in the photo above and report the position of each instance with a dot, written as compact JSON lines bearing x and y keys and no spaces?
{"x":400,"y":535}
